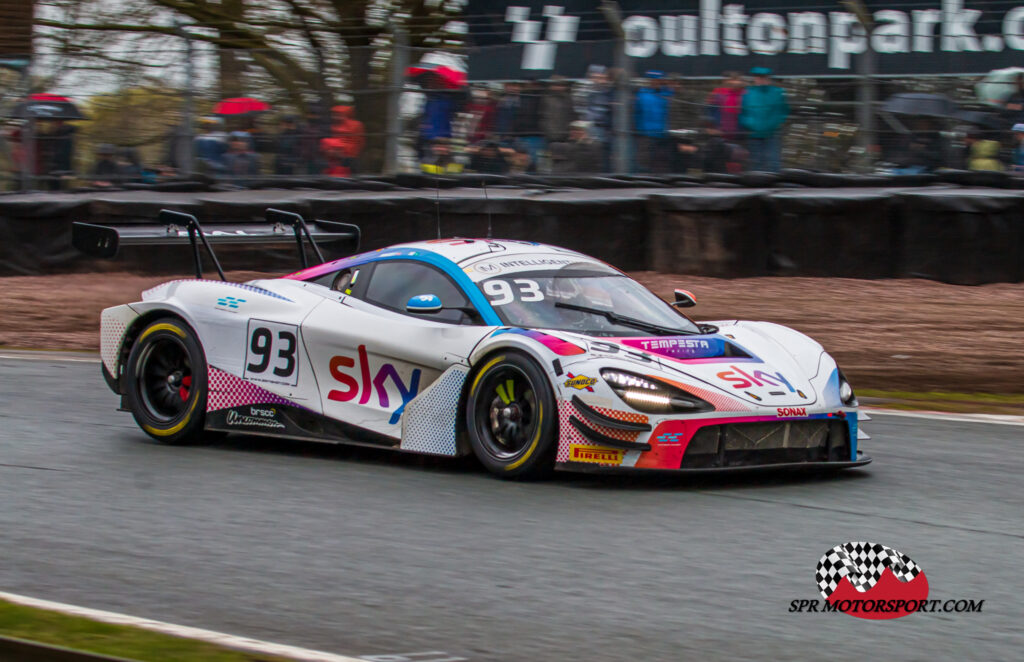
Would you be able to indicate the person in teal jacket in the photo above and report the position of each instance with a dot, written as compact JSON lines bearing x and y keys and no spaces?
{"x":763,"y":112}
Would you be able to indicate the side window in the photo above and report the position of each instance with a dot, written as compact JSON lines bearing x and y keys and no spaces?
{"x":343,"y":281}
{"x":394,"y":282}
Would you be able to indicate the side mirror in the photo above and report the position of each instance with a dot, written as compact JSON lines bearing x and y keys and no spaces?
{"x":684,"y":299}
{"x":424,"y":304}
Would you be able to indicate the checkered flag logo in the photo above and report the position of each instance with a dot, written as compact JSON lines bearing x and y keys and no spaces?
{"x":862,"y":563}
{"x":540,"y":45}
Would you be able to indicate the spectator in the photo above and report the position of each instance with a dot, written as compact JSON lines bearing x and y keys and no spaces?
{"x":483,"y":111}
{"x":508,"y":110}
{"x":58,"y":151}
{"x":723,"y":106}
{"x":580,"y":153}
{"x":598,"y":97}
{"x":487,"y":157}
{"x":438,"y":112}
{"x":315,"y":129}
{"x":241,"y":161}
{"x":982,"y":154}
{"x":288,"y":148}
{"x":1018,"y":147}
{"x":211,"y":145}
{"x":720,"y":155}
{"x":350,"y":135}
{"x":129,"y":165}
{"x":556,"y":111}
{"x":105,"y":171}
{"x":518,"y":157}
{"x":920,"y":150}
{"x":1014,"y":106}
{"x":440,"y":161}
{"x":762,"y":113}
{"x":650,"y":110}
{"x":527,"y":124}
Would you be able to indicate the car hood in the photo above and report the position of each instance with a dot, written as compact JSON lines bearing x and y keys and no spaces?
{"x":757,"y":362}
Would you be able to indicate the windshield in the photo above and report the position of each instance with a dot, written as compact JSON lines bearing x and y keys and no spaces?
{"x":586,"y":298}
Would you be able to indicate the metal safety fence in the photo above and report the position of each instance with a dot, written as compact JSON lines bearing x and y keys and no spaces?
{"x":242,"y":122}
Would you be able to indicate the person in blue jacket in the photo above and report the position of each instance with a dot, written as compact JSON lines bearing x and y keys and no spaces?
{"x":763,"y":112}
{"x":650,"y":110}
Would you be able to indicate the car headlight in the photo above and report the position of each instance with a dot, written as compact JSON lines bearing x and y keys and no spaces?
{"x":651,"y":395}
{"x":846,"y":394}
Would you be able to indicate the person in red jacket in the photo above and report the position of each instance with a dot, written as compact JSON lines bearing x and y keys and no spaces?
{"x":724,"y":104}
{"x":343,"y":148}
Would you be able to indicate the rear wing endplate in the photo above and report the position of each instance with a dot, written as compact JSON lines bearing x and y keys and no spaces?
{"x":180,"y":228}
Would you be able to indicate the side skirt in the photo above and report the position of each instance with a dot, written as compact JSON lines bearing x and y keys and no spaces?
{"x":290,"y":422}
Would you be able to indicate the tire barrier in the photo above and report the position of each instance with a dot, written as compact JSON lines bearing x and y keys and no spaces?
{"x":796,"y":223}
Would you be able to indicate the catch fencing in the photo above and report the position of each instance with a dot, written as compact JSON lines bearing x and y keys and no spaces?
{"x":411,"y":110}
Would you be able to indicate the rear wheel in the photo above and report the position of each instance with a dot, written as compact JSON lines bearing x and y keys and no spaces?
{"x":511,"y":416}
{"x":166,"y":382}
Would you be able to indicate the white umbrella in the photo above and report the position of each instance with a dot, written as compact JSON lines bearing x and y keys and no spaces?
{"x":997,"y":85}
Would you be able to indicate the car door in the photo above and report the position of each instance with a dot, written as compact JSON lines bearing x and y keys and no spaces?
{"x":371,"y":357}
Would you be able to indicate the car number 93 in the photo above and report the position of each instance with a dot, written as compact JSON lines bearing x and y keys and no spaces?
{"x":503,"y":292}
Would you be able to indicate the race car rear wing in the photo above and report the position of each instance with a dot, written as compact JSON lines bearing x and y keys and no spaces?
{"x":179,"y":228}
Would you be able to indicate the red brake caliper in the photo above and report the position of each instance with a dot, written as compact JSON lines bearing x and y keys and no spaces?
{"x":186,"y":383}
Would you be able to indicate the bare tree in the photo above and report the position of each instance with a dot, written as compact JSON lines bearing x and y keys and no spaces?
{"x":308,"y":51}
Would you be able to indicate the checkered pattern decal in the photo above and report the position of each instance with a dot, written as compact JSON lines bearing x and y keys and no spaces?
{"x":227,"y":390}
{"x":429,"y":422}
{"x":862,"y":563}
{"x":568,"y":435}
{"x":113,"y":323}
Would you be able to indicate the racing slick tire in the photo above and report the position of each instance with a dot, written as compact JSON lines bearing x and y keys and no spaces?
{"x":166,"y":382}
{"x":511,"y":416}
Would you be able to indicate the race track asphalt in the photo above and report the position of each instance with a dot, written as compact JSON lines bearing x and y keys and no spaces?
{"x":364,"y":552}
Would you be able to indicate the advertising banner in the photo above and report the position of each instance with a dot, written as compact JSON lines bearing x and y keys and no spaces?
{"x":537,"y":39}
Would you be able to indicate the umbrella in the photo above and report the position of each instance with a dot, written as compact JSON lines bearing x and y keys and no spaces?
{"x":448,"y":77}
{"x":920,"y":105}
{"x":997,"y":85}
{"x":240,"y":106}
{"x":981,"y":119}
{"x":47,"y":107}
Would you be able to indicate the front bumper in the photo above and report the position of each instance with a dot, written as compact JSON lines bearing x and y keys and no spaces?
{"x":781,"y":467}
{"x":595,"y":438}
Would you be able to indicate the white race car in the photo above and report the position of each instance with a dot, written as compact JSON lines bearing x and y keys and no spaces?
{"x":531,"y":357}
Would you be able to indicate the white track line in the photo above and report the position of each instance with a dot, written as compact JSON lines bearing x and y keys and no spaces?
{"x":992,"y":419}
{"x":59,"y":357}
{"x":219,"y":638}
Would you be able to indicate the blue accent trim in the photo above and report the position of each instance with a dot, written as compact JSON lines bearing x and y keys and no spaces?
{"x":831,"y":391}
{"x":258,"y":290}
{"x":851,"y":421}
{"x":469,"y":288}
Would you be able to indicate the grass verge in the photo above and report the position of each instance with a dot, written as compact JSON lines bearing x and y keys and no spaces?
{"x":960,"y":403}
{"x":75,"y":632}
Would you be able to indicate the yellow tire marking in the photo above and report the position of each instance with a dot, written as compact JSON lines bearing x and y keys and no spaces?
{"x":479,"y":375}
{"x":162,"y":327}
{"x":177,"y":428}
{"x":533,"y":444}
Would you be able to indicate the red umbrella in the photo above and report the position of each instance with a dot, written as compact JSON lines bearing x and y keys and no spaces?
{"x":47,"y":107}
{"x":240,"y":106}
{"x":449,"y":78}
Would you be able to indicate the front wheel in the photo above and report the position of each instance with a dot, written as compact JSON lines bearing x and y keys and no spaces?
{"x":166,"y":381}
{"x":511,"y":416}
